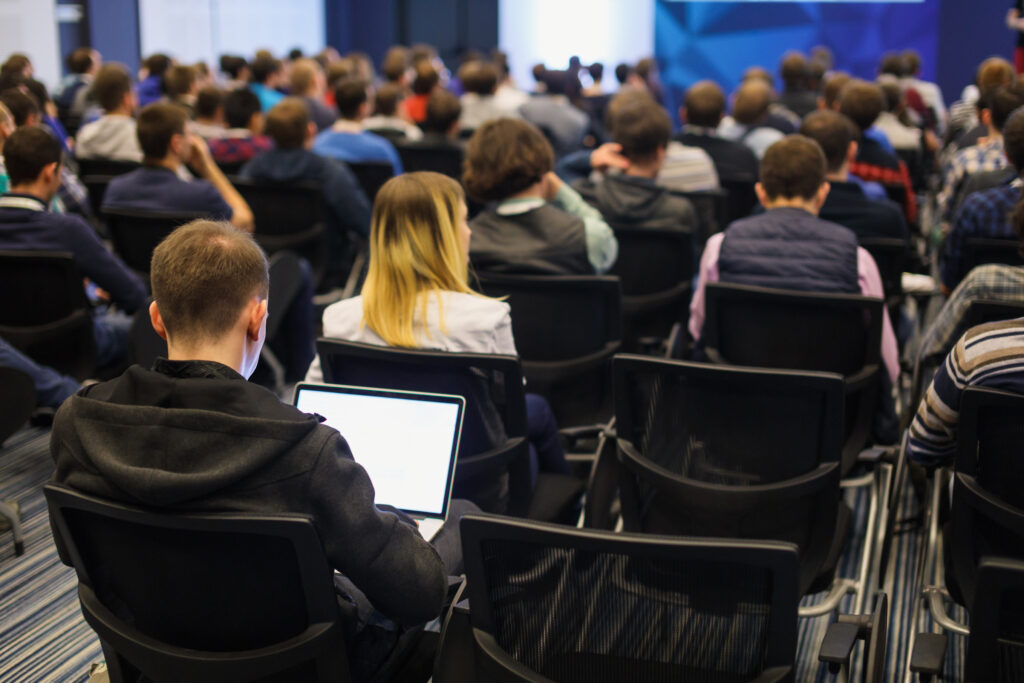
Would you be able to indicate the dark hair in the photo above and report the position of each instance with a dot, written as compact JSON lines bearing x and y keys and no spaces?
{"x":203,"y":274}
{"x":538,"y":72}
{"x":178,"y":80}
{"x":232,"y":65}
{"x":479,"y":77}
{"x":208,"y":101}
{"x":443,"y":110}
{"x":892,"y":92}
{"x":28,"y":151}
{"x":862,"y":102}
{"x":705,"y":103}
{"x":263,"y":68}
{"x":596,"y":71}
{"x":753,"y":98}
{"x":349,"y":95}
{"x":38,"y":91}
{"x":892,"y":64}
{"x":16,"y":63}
{"x":80,"y":60}
{"x":396,"y":61}
{"x":1003,"y":101}
{"x":793,"y":167}
{"x":500,"y":61}
{"x":157,"y":124}
{"x":833,"y":132}
{"x":833,"y":88}
{"x":157,"y":64}
{"x":622,"y":71}
{"x":294,"y":53}
{"x":112,"y":83}
{"x":639,"y":124}
{"x":287,"y":123}
{"x":239,"y":107}
{"x":794,"y":70}
{"x":911,"y":62}
{"x":385,"y":103}
{"x":426,"y":78}
{"x":504,"y":157}
{"x":21,"y":104}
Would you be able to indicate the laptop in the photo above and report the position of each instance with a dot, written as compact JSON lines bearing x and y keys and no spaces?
{"x":406,"y":441}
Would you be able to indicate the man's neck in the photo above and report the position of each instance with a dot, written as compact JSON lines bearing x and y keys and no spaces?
{"x":231,"y":357}
{"x":120,"y":111}
{"x":32,"y":190}
{"x":807,"y":205}
{"x":170,"y":162}
{"x":641,"y":170}
{"x":841,"y":175}
{"x":348,"y":126}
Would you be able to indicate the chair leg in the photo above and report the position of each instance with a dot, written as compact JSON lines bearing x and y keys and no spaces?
{"x":10,"y":512}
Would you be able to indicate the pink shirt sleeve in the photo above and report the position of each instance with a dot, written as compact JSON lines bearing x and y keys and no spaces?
{"x":708,"y":272}
{"x":871,"y":285}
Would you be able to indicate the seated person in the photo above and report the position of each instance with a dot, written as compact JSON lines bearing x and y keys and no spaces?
{"x":788,"y":246}
{"x":900,"y":135}
{"x":540,"y":225}
{"x":346,"y":140}
{"x":441,"y":124}
{"x":796,"y":96}
{"x":425,"y":81}
{"x":267,"y":76}
{"x":846,"y":203}
{"x":631,"y":199}
{"x":987,"y":213}
{"x":749,"y":122}
{"x":193,"y":435}
{"x":112,"y":136}
{"x":51,"y":386}
{"x":551,"y":111}
{"x":480,"y":80}
{"x":33,"y":158}
{"x":385,"y":120}
{"x":209,"y":120}
{"x":151,"y":78}
{"x":156,"y":186}
{"x":244,"y":138}
{"x":702,"y":112}
{"x":181,"y":85}
{"x":306,"y":80}
{"x":74,"y":94}
{"x":988,"y":355}
{"x":416,"y":295}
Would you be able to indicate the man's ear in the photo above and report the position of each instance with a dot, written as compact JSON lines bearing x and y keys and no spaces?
{"x":986,"y":117}
{"x":157,"y":321}
{"x":257,"y":314}
{"x":51,"y":173}
{"x":682,"y":114}
{"x":762,"y":196}
{"x":311,"y":130}
{"x":851,"y":151}
{"x":822,"y":194}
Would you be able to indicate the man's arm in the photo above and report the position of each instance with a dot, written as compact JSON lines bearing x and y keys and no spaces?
{"x":931,"y":439}
{"x":602,"y":247}
{"x":708,"y":272}
{"x":204,"y":166}
{"x":95,"y":262}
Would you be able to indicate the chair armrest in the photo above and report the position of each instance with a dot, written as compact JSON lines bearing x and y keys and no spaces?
{"x":837,"y":646}
{"x":456,"y":658}
{"x":929,"y":654}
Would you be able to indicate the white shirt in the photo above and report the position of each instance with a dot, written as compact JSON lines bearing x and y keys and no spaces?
{"x":901,"y":137}
{"x":373,"y":123}
{"x":478,"y":110}
{"x":759,"y":140}
{"x":111,"y":136}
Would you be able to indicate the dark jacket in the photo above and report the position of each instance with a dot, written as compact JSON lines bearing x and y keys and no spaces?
{"x":632,"y":202}
{"x":847,"y":205}
{"x":788,"y":248}
{"x":542,"y":241}
{"x":195,"y":436}
{"x":733,"y":160}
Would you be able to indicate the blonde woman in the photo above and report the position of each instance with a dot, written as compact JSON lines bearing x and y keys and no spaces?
{"x":416,"y":293}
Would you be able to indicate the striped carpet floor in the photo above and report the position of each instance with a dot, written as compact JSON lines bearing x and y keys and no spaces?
{"x":44,"y":638}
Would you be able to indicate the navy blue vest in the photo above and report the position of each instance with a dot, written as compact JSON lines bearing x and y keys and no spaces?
{"x":788,"y":248}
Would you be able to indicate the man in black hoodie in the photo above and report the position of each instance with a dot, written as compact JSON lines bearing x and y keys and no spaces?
{"x":192,"y":434}
{"x":631,"y":199}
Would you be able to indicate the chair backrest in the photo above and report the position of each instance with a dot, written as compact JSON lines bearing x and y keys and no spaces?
{"x":622,"y":607}
{"x":729,"y":451}
{"x":987,"y":515}
{"x":202,"y":597}
{"x":980,"y":311}
{"x":981,"y":250}
{"x":371,"y":176}
{"x":392,"y":135}
{"x":45,"y":313}
{"x":995,"y":647}
{"x":741,"y":198}
{"x":890,"y":255}
{"x":712,"y":207}
{"x":96,"y":187}
{"x":105,"y":167}
{"x":17,"y":401}
{"x":136,"y":234}
{"x":231,"y":168}
{"x":494,"y":422}
{"x":440,"y":159}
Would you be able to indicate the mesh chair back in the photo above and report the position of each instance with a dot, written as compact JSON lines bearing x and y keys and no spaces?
{"x":995,"y":647}
{"x":158,"y":587}
{"x":494,"y":422}
{"x":446,"y":159}
{"x":979,"y":251}
{"x":96,"y":186}
{"x":372,"y":176}
{"x":136,"y":234}
{"x":741,"y":199}
{"x":45,"y":313}
{"x":988,"y":503}
{"x":712,"y":208}
{"x":17,"y":401}
{"x":732,"y":452}
{"x":231,"y":168}
{"x":622,"y":607}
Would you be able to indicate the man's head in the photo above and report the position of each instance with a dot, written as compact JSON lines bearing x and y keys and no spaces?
{"x":622,"y":72}
{"x":504,"y":158}
{"x":385,"y":102}
{"x":862,"y":102}
{"x":425,"y":79}
{"x":892,"y":64}
{"x":180,"y":81}
{"x":753,"y":98}
{"x":22,"y":105}
{"x":1013,"y":140}
{"x":835,"y":134}
{"x":161,"y":131}
{"x":210,"y":104}
{"x":992,"y":73}
{"x":479,"y":77}
{"x":596,"y":71}
{"x":306,"y":78}
{"x":157,"y":65}
{"x":911,"y":62}
{"x":1002,"y":102}
{"x":793,"y":172}
{"x":113,"y":89}
{"x":17,"y":63}
{"x":33,"y":159}
{"x":83,"y":60}
{"x":793,"y":70}
{"x":642,"y":127}
{"x":288,"y":124}
{"x":704,"y":104}
{"x":395,"y":65}
{"x":758,"y":73}
{"x":443,"y":111}
{"x":210,"y":283}
{"x":266,"y":71}
{"x":893,"y":94}
{"x":832,"y":90}
{"x":352,"y":97}
{"x":242,"y":110}
{"x":234,"y":67}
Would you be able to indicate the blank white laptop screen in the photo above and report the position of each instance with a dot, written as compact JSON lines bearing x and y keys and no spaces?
{"x":406,"y":441}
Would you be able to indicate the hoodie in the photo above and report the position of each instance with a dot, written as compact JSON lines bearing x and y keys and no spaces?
{"x":634,"y":202}
{"x":195,"y":436}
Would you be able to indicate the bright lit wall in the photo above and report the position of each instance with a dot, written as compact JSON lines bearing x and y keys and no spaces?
{"x":30,"y":26}
{"x":552,"y":31}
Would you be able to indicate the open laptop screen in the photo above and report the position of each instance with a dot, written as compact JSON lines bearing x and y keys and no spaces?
{"x":406,"y":441}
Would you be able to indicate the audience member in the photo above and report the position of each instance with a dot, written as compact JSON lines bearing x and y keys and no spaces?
{"x":156,"y":186}
{"x":796,"y":96}
{"x":7,"y":127}
{"x":346,"y":139}
{"x":151,"y":79}
{"x":112,"y":136}
{"x":74,"y":95}
{"x":596,"y":71}
{"x":441,"y":124}
{"x":51,"y":386}
{"x":832,"y":90}
{"x":48,"y":112}
{"x":563,"y":124}
{"x":778,"y":116}
{"x":192,"y":435}
{"x":479,"y":104}
{"x":181,"y":84}
{"x":507,"y":97}
{"x":899,"y":135}
{"x":209,"y":121}
{"x":539,"y":225}
{"x":395,"y":66}
{"x":749,"y":114}
{"x":33,"y":159}
{"x":236,"y":70}
{"x":385,"y":120}
{"x":18,"y":65}
{"x":930,"y":93}
{"x":243,"y":139}
{"x":306,"y":80}
{"x":424,"y":82}
{"x":702,"y":111}
{"x":267,"y":76}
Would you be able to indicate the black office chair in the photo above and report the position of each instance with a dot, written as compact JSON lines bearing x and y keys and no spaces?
{"x":392,"y":135}
{"x":136,"y":234}
{"x":741,"y":199}
{"x":566,"y":329}
{"x":17,"y":402}
{"x":492,"y":468}
{"x":982,"y":250}
{"x":891,"y":256}
{"x":288,"y":216}
{"x":96,"y":187}
{"x":105,"y":167}
{"x":995,"y":647}
{"x":420,"y":156}
{"x":231,"y":168}
{"x":713,"y":212}
{"x":201,"y":597}
{"x":44,"y":312}
{"x":655,"y":267}
{"x":371,"y":176}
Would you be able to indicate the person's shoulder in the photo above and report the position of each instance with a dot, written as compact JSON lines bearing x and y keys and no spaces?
{"x":341,"y":319}
{"x":470,"y":313}
{"x":992,"y":342}
{"x":477,"y":305}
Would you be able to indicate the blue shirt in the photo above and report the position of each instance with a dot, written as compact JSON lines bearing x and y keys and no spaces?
{"x":881,"y":138}
{"x":983,"y":214}
{"x":268,"y":96}
{"x":155,"y":188}
{"x":355,"y":148}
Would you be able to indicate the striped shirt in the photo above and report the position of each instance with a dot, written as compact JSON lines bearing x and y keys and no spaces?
{"x":990,"y":355}
{"x":984,"y":157}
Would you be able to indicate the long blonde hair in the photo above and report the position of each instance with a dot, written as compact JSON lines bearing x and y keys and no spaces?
{"x":414,"y":252}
